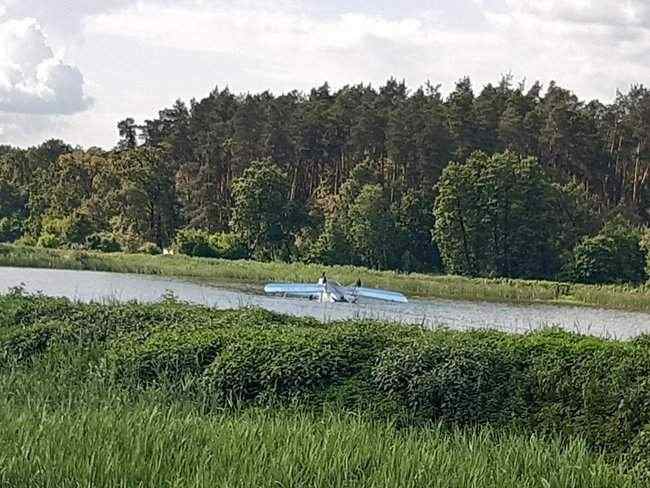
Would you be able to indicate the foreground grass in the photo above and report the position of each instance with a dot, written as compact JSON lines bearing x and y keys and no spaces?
{"x":150,"y":446}
{"x":65,"y":422}
{"x":418,"y":285}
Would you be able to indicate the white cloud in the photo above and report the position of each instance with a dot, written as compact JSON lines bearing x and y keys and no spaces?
{"x":605,"y":12}
{"x":286,"y":49}
{"x":139,"y":55}
{"x":32,"y":78}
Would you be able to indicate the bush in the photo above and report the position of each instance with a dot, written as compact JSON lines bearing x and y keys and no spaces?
{"x":194,"y":242}
{"x":549,"y":382}
{"x":228,"y":246}
{"x":612,"y":256}
{"x":22,"y":343}
{"x":27,"y":241}
{"x":103,"y":241}
{"x":71,"y":229}
{"x":639,"y":455}
{"x":10,"y":229}
{"x":48,"y":241}
{"x":149,"y":248}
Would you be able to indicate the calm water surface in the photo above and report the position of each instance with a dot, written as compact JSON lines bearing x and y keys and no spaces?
{"x":98,"y":286}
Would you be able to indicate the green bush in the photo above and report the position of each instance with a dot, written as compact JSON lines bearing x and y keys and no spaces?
{"x":103,"y":241}
{"x":25,"y":342}
{"x":48,"y":241}
{"x":194,"y":242}
{"x":639,"y":455}
{"x":228,"y":246}
{"x":71,"y":229}
{"x":284,"y":362}
{"x":612,"y":256}
{"x":149,"y":248}
{"x":27,"y":241}
{"x":166,"y":353}
{"x":467,"y":379}
{"x":549,"y":382}
{"x":11,"y":228}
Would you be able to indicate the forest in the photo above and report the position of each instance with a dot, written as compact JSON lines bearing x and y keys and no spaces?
{"x":507,"y":181}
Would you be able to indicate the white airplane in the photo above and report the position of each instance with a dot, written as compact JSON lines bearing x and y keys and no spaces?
{"x":332,"y":292}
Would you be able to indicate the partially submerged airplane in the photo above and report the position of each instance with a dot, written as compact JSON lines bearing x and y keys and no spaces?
{"x":332,"y":292}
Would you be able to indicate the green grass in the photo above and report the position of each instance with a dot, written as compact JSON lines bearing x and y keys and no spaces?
{"x":64,"y":422}
{"x":417,"y":285}
{"x":146,"y":445}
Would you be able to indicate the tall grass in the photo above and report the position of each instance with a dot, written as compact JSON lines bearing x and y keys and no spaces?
{"x":65,"y":424}
{"x":150,"y":446}
{"x":417,"y":285}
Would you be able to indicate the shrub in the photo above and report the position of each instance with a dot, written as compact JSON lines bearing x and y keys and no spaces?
{"x":25,"y":342}
{"x":550,"y":381}
{"x":71,"y":229}
{"x":27,"y":241}
{"x":48,"y":241}
{"x":285,"y":362}
{"x":168,"y":353}
{"x":103,"y":241}
{"x":10,"y":228}
{"x":476,"y":378}
{"x":612,"y":256}
{"x":149,"y":248}
{"x":639,"y":455}
{"x":194,"y":242}
{"x":228,"y":246}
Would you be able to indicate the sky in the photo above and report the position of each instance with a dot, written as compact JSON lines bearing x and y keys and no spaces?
{"x":71,"y":69}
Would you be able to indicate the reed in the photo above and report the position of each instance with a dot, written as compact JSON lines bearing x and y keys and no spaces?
{"x":416,"y":285}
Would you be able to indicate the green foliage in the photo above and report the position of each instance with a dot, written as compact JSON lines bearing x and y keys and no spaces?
{"x":229,"y":246}
{"x":639,"y":455}
{"x":11,"y":228}
{"x":549,"y":382}
{"x":614,"y":255}
{"x":200,"y":243}
{"x":48,"y":241}
{"x":24,"y":342}
{"x":72,"y":229}
{"x":26,"y":241}
{"x":495,"y":216}
{"x":372,"y":229}
{"x":263,"y":215}
{"x":103,"y":241}
{"x":149,"y":248}
{"x":194,"y":242}
{"x":94,"y":444}
{"x":199,"y":167}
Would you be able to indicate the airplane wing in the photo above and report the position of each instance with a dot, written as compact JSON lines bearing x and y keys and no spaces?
{"x":296,"y":289}
{"x":376,"y":294}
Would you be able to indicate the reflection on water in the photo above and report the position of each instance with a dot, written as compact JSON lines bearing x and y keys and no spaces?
{"x":98,"y":286}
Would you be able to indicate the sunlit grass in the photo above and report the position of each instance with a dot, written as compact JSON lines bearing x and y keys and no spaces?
{"x":418,"y":285}
{"x":151,"y":446}
{"x":64,"y":424}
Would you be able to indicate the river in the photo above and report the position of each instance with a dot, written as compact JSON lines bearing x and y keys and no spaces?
{"x":88,"y":286}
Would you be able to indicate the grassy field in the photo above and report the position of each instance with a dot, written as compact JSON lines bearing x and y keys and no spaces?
{"x":151,"y":446}
{"x":416,"y":285}
{"x":176,"y":395}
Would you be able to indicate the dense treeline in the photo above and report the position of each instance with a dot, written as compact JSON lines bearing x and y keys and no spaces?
{"x":541,"y":185}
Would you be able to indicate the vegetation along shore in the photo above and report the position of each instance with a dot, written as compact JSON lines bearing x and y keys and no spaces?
{"x":176,"y":395}
{"x":624,"y":297}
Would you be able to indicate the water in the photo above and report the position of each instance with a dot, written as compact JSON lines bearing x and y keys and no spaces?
{"x":457,"y":314}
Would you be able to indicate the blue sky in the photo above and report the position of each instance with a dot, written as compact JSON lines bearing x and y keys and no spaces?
{"x":72,"y":69}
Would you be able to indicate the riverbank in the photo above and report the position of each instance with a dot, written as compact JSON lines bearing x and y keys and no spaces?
{"x":176,"y":395}
{"x":619,"y":297}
